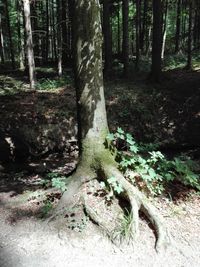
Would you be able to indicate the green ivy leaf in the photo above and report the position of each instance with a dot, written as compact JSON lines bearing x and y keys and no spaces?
{"x":110,"y":137}
{"x":134,"y":149}
{"x":129,"y":137}
{"x":131,"y":142}
{"x":111,"y":180}
{"x":119,"y":189}
{"x":120,"y":131}
{"x":152,"y":173}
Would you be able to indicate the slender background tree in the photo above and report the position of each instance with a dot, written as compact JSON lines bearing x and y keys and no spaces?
{"x":29,"y":44}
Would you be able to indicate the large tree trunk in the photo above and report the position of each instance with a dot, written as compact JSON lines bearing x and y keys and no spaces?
{"x":138,"y":6}
{"x":55,"y":56}
{"x":59,"y":37}
{"x":148,"y":36}
{"x":196,"y":27}
{"x":178,"y":27}
{"x":125,"y":15}
{"x":47,"y":32}
{"x":118,"y":29}
{"x":34,"y":16}
{"x":184,"y":23}
{"x":95,"y":159}
{"x":10,"y":34}
{"x":64,"y":32}
{"x":107,"y":37}
{"x":144,"y":24}
{"x":29,"y":44}
{"x":20,"y":36}
{"x":189,"y":43}
{"x":156,"y":67}
{"x":1,"y":43}
{"x":43,"y":36}
{"x":164,"y":36}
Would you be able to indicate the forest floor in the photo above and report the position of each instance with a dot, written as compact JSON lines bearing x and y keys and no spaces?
{"x":28,"y":240}
{"x":167,"y":114}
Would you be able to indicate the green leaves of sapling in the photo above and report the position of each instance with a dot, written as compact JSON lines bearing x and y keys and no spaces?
{"x":110,"y":137}
{"x":154,"y":169}
{"x":116,"y":186}
{"x":57,"y":181}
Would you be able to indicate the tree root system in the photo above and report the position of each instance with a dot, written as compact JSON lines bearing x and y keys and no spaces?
{"x":79,"y":190}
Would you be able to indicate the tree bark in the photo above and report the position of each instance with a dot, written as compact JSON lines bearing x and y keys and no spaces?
{"x":1,"y":43}
{"x":197,"y":26}
{"x":107,"y":37}
{"x":10,"y":35}
{"x":54,"y":31}
{"x":69,"y":32}
{"x":20,"y":39}
{"x":118,"y":29}
{"x":156,"y":67}
{"x":144,"y":26}
{"x":178,"y":27}
{"x":137,"y":25}
{"x":96,"y":160}
{"x":29,"y":44}
{"x":164,"y":36}
{"x":189,"y":44}
{"x":47,"y":33}
{"x":184,"y":23}
{"x":125,"y":15}
{"x":89,"y":78}
{"x":35,"y":32}
{"x":148,"y":36}
{"x":59,"y":37}
{"x":195,"y":31}
{"x":64,"y":32}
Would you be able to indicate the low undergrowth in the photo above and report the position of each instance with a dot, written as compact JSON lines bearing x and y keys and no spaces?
{"x":149,"y":169}
{"x":47,"y":84}
{"x":55,"y":180}
{"x":143,"y":165}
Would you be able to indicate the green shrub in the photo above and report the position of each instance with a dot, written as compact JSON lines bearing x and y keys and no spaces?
{"x":150,"y":170}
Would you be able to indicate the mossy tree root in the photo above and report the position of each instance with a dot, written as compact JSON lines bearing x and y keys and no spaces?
{"x":137,"y":200}
{"x":74,"y":184}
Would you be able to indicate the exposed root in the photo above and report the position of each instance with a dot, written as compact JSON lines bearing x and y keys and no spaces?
{"x":99,"y":220}
{"x":74,"y":184}
{"x":137,"y":200}
{"x":163,"y":238}
{"x":70,"y":197}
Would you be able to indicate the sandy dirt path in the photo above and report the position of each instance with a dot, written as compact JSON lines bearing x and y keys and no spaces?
{"x":29,"y":242}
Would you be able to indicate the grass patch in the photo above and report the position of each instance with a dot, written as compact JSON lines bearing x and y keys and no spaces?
{"x":47,"y":84}
{"x":10,"y":86}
